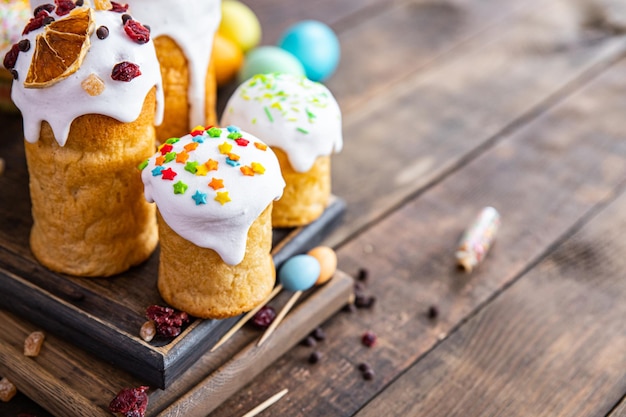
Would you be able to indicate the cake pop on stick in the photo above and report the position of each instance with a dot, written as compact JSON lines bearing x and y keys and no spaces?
{"x":300,"y":273}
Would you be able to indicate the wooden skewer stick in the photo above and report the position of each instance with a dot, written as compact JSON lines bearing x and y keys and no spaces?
{"x":246,"y":318}
{"x":280,"y":317}
{"x":265,"y":404}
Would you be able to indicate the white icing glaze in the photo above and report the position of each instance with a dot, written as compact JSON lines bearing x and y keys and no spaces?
{"x":210,"y":224}
{"x":297,"y":115}
{"x":62,"y":102}
{"x":192,"y":26}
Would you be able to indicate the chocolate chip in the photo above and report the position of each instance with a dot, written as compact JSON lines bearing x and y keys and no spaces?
{"x":79,"y":3}
{"x":102,"y":32}
{"x":433,"y":312}
{"x":363,"y":275}
{"x":126,"y":17}
{"x":319,"y":334}
{"x":315,"y":357}
{"x":24,"y":45}
{"x":364,"y":367}
{"x":368,"y":374}
{"x":14,"y":74}
{"x":309,"y":341}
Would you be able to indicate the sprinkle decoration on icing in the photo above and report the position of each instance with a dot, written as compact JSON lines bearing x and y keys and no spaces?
{"x":13,"y":17}
{"x":293,"y":113}
{"x":124,"y":71}
{"x":213,"y":194}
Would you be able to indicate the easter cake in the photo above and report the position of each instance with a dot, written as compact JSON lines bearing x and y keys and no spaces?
{"x":301,"y":121}
{"x":13,"y":16}
{"x":183,"y":36}
{"x":214,"y":190}
{"x":88,"y":85}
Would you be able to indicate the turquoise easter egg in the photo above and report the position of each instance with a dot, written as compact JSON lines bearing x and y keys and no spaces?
{"x":299,"y":273}
{"x":315,"y":45}
{"x":269,"y":59}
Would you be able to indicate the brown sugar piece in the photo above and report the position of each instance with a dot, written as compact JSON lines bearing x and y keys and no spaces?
{"x":33,"y":343}
{"x":7,"y":390}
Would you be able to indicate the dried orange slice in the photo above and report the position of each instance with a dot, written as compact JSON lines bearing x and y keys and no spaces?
{"x":60,"y":50}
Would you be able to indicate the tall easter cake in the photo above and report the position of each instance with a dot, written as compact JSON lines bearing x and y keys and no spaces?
{"x":88,"y":85}
{"x":13,"y":16}
{"x":183,"y":35}
{"x":301,"y":121}
{"x":214,"y":190}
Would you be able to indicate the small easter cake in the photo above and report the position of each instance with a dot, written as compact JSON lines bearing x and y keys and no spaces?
{"x":88,"y":85}
{"x":214,"y":191}
{"x":301,"y":121}
{"x":183,"y":35}
{"x":13,"y":16}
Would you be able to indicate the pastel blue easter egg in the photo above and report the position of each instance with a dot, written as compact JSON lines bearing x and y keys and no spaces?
{"x":315,"y":45}
{"x":299,"y":272}
{"x":268,"y":59}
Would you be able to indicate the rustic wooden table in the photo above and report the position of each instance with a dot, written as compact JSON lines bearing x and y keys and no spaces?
{"x":450,"y":106}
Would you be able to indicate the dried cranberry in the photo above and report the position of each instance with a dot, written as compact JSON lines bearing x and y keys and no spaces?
{"x":64,"y":6}
{"x":11,"y":57}
{"x":168,"y":321}
{"x":264,"y":317}
{"x":125,"y":71}
{"x":136,"y":31}
{"x":41,"y":18}
{"x":131,"y":402}
{"x":118,"y":7}
{"x":47,"y":7}
{"x":368,"y":338}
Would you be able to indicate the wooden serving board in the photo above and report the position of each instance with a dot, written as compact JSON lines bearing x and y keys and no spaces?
{"x":68,"y":381}
{"x":104,"y":315}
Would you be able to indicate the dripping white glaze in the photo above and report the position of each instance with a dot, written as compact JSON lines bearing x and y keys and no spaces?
{"x":193,"y":211}
{"x":297,"y":115}
{"x":64,"y":101}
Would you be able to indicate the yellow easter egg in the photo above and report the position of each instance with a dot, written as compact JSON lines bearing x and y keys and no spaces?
{"x":228,"y":59}
{"x":328,"y":262}
{"x":240,"y":25}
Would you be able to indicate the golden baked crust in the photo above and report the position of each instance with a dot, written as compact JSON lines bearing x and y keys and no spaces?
{"x":90,"y":217}
{"x":197,"y":281}
{"x":175,"y":74}
{"x":306,"y":194}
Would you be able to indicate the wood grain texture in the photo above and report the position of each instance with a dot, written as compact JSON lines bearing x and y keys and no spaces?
{"x":67,"y":381}
{"x":440,"y":116}
{"x":551,"y":345}
{"x":544,"y":177}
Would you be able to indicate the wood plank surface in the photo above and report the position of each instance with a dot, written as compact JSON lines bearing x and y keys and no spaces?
{"x":544,"y":178}
{"x":459,"y":105}
{"x":551,"y":345}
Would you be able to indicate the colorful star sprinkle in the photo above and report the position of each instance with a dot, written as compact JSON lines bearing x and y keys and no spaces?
{"x":222,"y":197}
{"x":165,"y":148}
{"x":170,"y":156}
{"x":191,"y":167}
{"x":182,"y":157}
{"x":216,"y":183}
{"x":199,"y":197}
{"x":168,"y":174}
{"x":225,"y":148}
{"x":260,"y":146}
{"x":180,"y":187}
{"x":246,"y":170}
{"x":191,"y":146}
{"x":258,"y":168}
{"x":211,"y":165}
{"x":214,"y":132}
{"x":157,"y":171}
